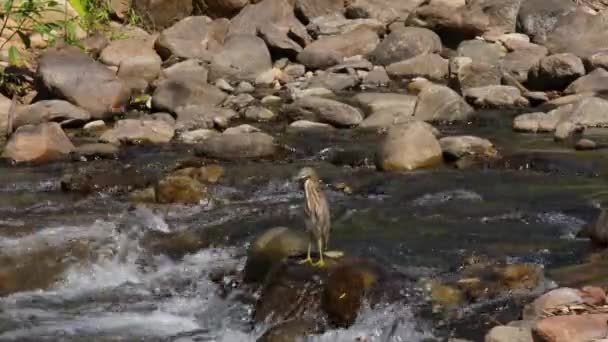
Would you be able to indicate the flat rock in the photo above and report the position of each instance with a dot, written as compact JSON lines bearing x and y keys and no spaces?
{"x":134,"y":131}
{"x":336,"y":24}
{"x":203,"y":116}
{"x":324,"y":110}
{"x":236,"y":146}
{"x":480,"y":51}
{"x":509,"y":334}
{"x":197,"y":136}
{"x":305,"y":125}
{"x":374,"y":102}
{"x":310,"y":9}
{"x":38,"y":143}
{"x":58,"y":111}
{"x":535,"y":122}
{"x":580,"y":33}
{"x":430,"y":66}
{"x":465,"y":74}
{"x":333,"y":81}
{"x":408,"y":147}
{"x":387,"y":117}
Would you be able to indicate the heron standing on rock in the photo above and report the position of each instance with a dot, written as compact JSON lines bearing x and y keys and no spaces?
{"x":317,"y":213}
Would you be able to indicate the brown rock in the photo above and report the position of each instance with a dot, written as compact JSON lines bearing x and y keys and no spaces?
{"x":44,"y":142}
{"x":180,"y":189}
{"x":572,"y":328}
{"x":162,"y":13}
{"x":408,"y":147}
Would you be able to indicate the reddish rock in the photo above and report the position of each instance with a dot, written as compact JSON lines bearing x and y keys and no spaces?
{"x":39,"y":143}
{"x":552,"y":299}
{"x":572,"y":328}
{"x":593,"y":295}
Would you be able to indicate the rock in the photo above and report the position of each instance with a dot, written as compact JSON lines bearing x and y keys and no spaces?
{"x":241,"y":129}
{"x":94,"y":44}
{"x":304,"y":125}
{"x":270,"y":249}
{"x":134,"y":58}
{"x":589,"y":112}
{"x":95,"y":127}
{"x":387,"y":117}
{"x":585,"y":145}
{"x":239,"y":102}
{"x":197,"y":136}
{"x":5,"y":105}
{"x":242,"y":58}
{"x":244,"y":88}
{"x":465,"y":74}
{"x":310,"y":9}
{"x":431,"y":66}
{"x":219,"y":8}
{"x":208,"y":174}
{"x":290,"y":331}
{"x":456,"y":147}
{"x":173,"y":95}
{"x":440,"y":103}
{"x":509,"y":334}
{"x":502,"y":14}
{"x":236,"y":146}
{"x":166,"y":117}
{"x":572,"y":328}
{"x":96,"y":150}
{"x":40,"y":143}
{"x":336,"y":24}
{"x":595,"y":81}
{"x":519,"y":63}
{"x":192,"y":37}
{"x":597,"y":231}
{"x":378,"y":77}
{"x":535,"y":122}
{"x":101,"y":93}
{"x":405,"y":43}
{"x":555,"y":72}
{"x":466,"y":21}
{"x":162,"y":13}
{"x":408,"y":147}
{"x":258,"y":113}
{"x":495,"y":96}
{"x":480,"y":52}
{"x":58,"y":111}
{"x":320,"y":109}
{"x":298,"y":94}
{"x":139,"y":131}
{"x":385,"y":11}
{"x":580,"y":33}
{"x":199,"y":116}
{"x":564,"y":130}
{"x":333,"y":81}
{"x":329,"y":51}
{"x":180,"y":189}
{"x":538,"y":17}
{"x":598,"y":60}
{"x":550,"y":300}
{"x":189,"y":69}
{"x":374,"y":102}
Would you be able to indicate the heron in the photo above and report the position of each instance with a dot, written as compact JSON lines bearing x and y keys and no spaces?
{"x":317,"y":213}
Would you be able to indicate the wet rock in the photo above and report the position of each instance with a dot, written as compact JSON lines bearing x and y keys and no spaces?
{"x":329,"y":51}
{"x":519,"y":62}
{"x":373,"y":102}
{"x":136,"y":60}
{"x":190,"y":68}
{"x":199,"y":116}
{"x":209,"y":174}
{"x":555,"y":72}
{"x":304,"y":125}
{"x":244,"y":88}
{"x":290,"y":331}
{"x":464,"y":74}
{"x":336,"y":24}
{"x":333,"y":81}
{"x":40,"y":143}
{"x":495,"y":96}
{"x":538,"y":17}
{"x":456,"y":147}
{"x":173,"y":95}
{"x":405,"y":43}
{"x":104,"y":175}
{"x":197,"y":136}
{"x":572,"y":328}
{"x":258,"y":113}
{"x":132,"y":131}
{"x":597,"y":230}
{"x":310,"y":9}
{"x":162,"y":13}
{"x":408,"y":147}
{"x":445,"y":295}
{"x":96,"y":150}
{"x":192,"y":37}
{"x":480,"y":51}
{"x":550,"y":300}
{"x":271,"y":248}
{"x":324,"y":110}
{"x":101,"y":93}
{"x":242,"y":58}
{"x":235,"y":146}
{"x":440,"y":103}
{"x":62,"y":112}
{"x":595,"y":81}
{"x":535,"y":122}
{"x":219,"y":8}
{"x":430,"y":66}
{"x":385,"y":11}
{"x":585,"y":145}
{"x":589,"y":112}
{"x":509,"y":334}
{"x":385,"y":118}
{"x":580,"y":33}
{"x":180,"y":189}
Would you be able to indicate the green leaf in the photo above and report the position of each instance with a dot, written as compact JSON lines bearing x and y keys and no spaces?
{"x":25,"y":39}
{"x":80,"y":7}
{"x":14,"y":56}
{"x":8,"y":5}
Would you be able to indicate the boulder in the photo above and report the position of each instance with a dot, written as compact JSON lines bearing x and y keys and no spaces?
{"x":580,"y":33}
{"x":5,"y":107}
{"x":405,"y":43}
{"x":62,"y":112}
{"x":385,"y":11}
{"x":236,"y":146}
{"x":502,"y":15}
{"x":329,"y":51}
{"x":509,"y":334}
{"x":242,"y":58}
{"x":101,"y":92}
{"x":219,"y":8}
{"x":495,"y":96}
{"x":173,"y":95}
{"x":572,"y":328}
{"x":440,"y":103}
{"x":551,"y":300}
{"x":377,"y":77}
{"x":555,"y":72}
{"x":408,"y":147}
{"x":595,"y":81}
{"x":519,"y":62}
{"x":192,"y":37}
{"x":332,"y":25}
{"x":201,"y":116}
{"x":180,"y":189}
{"x":480,"y":51}
{"x":535,"y":122}
{"x":305,"y":125}
{"x":197,"y":136}
{"x":387,"y":117}
{"x":537,"y":18}
{"x":324,"y":110}
{"x":134,"y":131}
{"x":596,"y":231}
{"x":430,"y":66}
{"x":193,"y":69}
{"x":456,"y":147}
{"x":460,"y":21}
{"x":259,"y":113}
{"x":38,"y":143}
{"x":374,"y":102}
{"x":598,"y":60}
{"x":310,"y":9}
{"x":333,"y":81}
{"x":589,"y":112}
{"x":136,"y":61}
{"x":162,"y":13}
{"x":465,"y":74}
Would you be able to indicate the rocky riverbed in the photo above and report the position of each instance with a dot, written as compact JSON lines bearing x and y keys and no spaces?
{"x":146,"y":187}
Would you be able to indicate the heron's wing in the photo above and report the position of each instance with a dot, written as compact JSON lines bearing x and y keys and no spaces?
{"x":317,"y":209}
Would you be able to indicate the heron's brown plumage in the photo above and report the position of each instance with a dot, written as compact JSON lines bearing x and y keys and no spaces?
{"x":317,"y":211}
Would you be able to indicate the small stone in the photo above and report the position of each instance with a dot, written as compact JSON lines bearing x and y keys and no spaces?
{"x":259,"y":113}
{"x":197,"y":136}
{"x":270,"y":100}
{"x":95,"y":126}
{"x":304,"y":125}
{"x":242,"y":129}
{"x":224,"y":85}
{"x":244,"y":87}
{"x":585,"y":144}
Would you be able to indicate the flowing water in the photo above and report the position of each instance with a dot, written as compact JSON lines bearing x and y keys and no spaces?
{"x":93,"y":267}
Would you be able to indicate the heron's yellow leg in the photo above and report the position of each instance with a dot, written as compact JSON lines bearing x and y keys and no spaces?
{"x":308,"y":259}
{"x":320,"y":263}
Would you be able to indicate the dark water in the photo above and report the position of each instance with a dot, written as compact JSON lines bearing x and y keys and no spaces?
{"x":112,"y":272}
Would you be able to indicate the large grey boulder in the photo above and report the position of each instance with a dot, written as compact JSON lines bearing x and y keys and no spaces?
{"x":242,"y":58}
{"x":555,"y":72}
{"x":405,"y":43}
{"x":537,"y":18}
{"x":409,"y":146}
{"x":440,"y":103}
{"x":192,"y":37}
